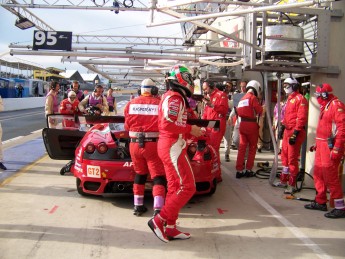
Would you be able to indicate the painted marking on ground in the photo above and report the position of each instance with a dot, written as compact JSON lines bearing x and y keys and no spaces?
{"x":12,"y":139}
{"x":53,"y":209}
{"x":291,"y":227}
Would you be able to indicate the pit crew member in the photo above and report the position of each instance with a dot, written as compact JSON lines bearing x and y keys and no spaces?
{"x":172,"y":118}
{"x":330,"y":140}
{"x":141,"y":120}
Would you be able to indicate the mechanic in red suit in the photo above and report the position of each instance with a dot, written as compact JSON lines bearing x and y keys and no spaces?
{"x":330,"y":140}
{"x":173,"y":127}
{"x":248,"y":110}
{"x":293,"y":126}
{"x":69,"y":106}
{"x":141,"y":120}
{"x":216,"y":108}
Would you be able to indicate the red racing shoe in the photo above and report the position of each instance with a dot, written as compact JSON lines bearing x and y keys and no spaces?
{"x":173,"y":233}
{"x":157,"y":226}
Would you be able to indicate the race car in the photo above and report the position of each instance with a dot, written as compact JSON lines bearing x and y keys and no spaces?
{"x":98,"y":147}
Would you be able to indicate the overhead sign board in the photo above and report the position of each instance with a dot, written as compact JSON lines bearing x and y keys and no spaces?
{"x":53,"y":40}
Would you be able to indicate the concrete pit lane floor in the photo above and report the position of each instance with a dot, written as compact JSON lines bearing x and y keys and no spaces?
{"x":43,"y":216}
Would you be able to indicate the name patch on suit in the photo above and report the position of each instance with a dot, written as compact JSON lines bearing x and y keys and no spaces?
{"x":243,"y":103}
{"x":143,"y":109}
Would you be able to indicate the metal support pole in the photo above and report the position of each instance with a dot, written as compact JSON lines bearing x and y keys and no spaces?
{"x":274,"y":169}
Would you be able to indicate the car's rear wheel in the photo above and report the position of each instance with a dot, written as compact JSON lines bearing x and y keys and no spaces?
{"x":214,"y":187}
{"x":80,"y":188}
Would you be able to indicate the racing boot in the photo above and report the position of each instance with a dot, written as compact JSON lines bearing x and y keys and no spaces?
{"x":139,"y":210}
{"x":240,"y":174}
{"x":156,"y":224}
{"x":339,"y":211}
{"x":249,"y":173}
{"x":316,"y":206}
{"x":173,"y":233}
{"x":335,"y":214}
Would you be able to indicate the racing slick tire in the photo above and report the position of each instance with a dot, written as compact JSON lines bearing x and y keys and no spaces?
{"x":214,"y":188}
{"x":80,"y":189}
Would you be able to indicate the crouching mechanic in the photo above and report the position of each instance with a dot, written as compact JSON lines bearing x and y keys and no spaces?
{"x":293,"y":125}
{"x":173,"y":127}
{"x":141,"y":120}
{"x":248,"y":110}
{"x":330,"y":140}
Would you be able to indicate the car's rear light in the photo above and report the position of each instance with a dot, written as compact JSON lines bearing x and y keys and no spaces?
{"x":102,"y":148}
{"x":90,"y":148}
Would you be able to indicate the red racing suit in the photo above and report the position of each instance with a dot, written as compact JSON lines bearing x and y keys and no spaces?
{"x":220,"y":108}
{"x":248,"y":109}
{"x":173,"y":127}
{"x":66,"y":107}
{"x":331,"y":123}
{"x":296,"y":115}
{"x":141,"y":117}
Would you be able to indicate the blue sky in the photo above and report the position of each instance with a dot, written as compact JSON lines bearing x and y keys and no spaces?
{"x":81,"y":22}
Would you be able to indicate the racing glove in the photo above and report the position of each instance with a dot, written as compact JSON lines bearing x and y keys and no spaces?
{"x":312,"y":148}
{"x":292,"y":139}
{"x":336,"y":154}
{"x":281,"y":132}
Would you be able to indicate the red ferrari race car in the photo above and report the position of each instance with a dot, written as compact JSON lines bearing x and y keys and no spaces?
{"x":98,"y":147}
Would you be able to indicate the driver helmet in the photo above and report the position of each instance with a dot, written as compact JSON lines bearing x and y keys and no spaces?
{"x":254,"y":85}
{"x":180,"y":76}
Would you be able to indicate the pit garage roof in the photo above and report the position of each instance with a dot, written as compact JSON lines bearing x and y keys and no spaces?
{"x":20,"y":64}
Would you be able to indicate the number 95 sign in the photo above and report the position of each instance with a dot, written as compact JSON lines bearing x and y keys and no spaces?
{"x":55,"y":40}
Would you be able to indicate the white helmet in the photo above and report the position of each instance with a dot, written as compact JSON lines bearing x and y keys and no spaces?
{"x":255,"y":85}
{"x":290,"y":85}
{"x":148,"y":87}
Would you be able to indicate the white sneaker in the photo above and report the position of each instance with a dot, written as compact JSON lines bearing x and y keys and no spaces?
{"x":280,"y":184}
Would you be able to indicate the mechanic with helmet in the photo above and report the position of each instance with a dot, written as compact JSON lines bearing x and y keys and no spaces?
{"x":216,"y":108}
{"x":173,"y":128}
{"x":329,"y":146}
{"x":52,"y":103}
{"x":69,"y":106}
{"x":141,"y":120}
{"x":248,"y":110}
{"x":293,"y":132}
{"x":95,"y":101}
{"x":76,"y":88}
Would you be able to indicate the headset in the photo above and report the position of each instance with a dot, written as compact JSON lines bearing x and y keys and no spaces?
{"x":154,"y":90}
{"x":295,"y":87}
{"x":323,"y":95}
{"x":53,"y":85}
{"x":210,"y":83}
{"x":73,"y":83}
{"x":97,"y":87}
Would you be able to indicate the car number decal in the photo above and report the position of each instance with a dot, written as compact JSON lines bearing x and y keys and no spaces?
{"x":93,"y":171}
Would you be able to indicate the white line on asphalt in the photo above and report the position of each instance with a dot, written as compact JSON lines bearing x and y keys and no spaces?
{"x":291,"y":227}
{"x":12,"y":139}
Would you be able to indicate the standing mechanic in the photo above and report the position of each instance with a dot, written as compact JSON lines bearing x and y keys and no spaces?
{"x":52,"y":103}
{"x":141,"y":120}
{"x":76,"y":88}
{"x":216,"y":108}
{"x":173,"y":127}
{"x":95,"y":100}
{"x":248,"y":110}
{"x":330,"y":140}
{"x":293,"y":126}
